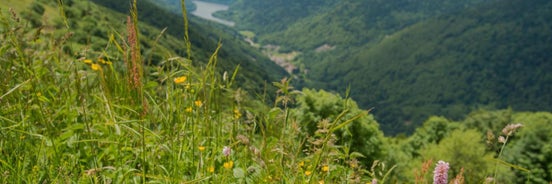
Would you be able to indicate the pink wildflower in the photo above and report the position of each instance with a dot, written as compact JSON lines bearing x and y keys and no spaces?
{"x":511,"y":128}
{"x":226,"y":151}
{"x":501,"y":139}
{"x":440,"y":175}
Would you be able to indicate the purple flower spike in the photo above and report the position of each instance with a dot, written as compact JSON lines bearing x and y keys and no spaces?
{"x":440,"y":175}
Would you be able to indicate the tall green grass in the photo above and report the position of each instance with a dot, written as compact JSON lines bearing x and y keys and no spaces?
{"x":102,"y":116}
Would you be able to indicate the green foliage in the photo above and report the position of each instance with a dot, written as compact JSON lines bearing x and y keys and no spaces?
{"x":431,"y":132}
{"x":362,"y":134}
{"x":531,"y":148}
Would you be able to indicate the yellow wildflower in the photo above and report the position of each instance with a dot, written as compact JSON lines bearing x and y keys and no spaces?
{"x":228,"y":165}
{"x":201,"y":148}
{"x":211,"y":169}
{"x":308,"y":173}
{"x":96,"y":67}
{"x":301,"y":164}
{"x":237,"y":113}
{"x":179,"y":80}
{"x":88,"y":61}
{"x":189,"y":109}
{"x":326,"y":168}
{"x":198,"y":103}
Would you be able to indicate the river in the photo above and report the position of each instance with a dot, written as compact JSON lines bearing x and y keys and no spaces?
{"x":205,"y":10}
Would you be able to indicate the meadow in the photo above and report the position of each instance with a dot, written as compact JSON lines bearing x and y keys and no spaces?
{"x":76,"y":114}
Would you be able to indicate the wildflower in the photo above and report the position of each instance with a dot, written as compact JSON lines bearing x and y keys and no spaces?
{"x":226,"y":151}
{"x":201,"y":148}
{"x":440,"y":175}
{"x":237,"y":113}
{"x":308,"y":173}
{"x":228,"y":165}
{"x":189,"y":109}
{"x":301,"y":164}
{"x":501,"y":139}
{"x":179,"y":80}
{"x":326,"y":168}
{"x":511,"y":128}
{"x":198,"y":103}
{"x":374,"y":181}
{"x":96,"y":67}
{"x":102,"y":61}
{"x":211,"y":169}
{"x":88,"y":61}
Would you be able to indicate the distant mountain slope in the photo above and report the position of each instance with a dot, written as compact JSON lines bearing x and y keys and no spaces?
{"x":412,"y":58}
{"x":494,"y":56}
{"x":304,"y":24}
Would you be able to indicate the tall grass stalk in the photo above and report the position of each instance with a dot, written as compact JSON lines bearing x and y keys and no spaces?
{"x":186,"y":25}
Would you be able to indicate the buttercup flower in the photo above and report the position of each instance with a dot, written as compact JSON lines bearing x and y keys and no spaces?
{"x":180,"y":80}
{"x":237,"y":113}
{"x":201,"y":148}
{"x":88,"y":61}
{"x":228,"y":165}
{"x":96,"y":67}
{"x":198,"y":103}
{"x":326,"y":168}
{"x":301,"y":164}
{"x":308,"y":173}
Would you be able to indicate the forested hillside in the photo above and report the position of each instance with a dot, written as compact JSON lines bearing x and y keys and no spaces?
{"x":410,"y":59}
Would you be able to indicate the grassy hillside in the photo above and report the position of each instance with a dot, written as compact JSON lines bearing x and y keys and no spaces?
{"x":81,"y":107}
{"x":257,"y":69}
